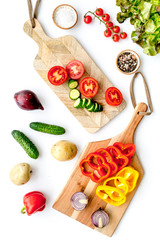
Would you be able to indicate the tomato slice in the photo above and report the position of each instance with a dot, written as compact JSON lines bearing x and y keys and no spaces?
{"x":88,"y":87}
{"x":75,"y":69}
{"x":57,"y":75}
{"x":113,"y":96}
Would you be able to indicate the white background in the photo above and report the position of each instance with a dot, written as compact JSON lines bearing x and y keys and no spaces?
{"x":141,"y":220}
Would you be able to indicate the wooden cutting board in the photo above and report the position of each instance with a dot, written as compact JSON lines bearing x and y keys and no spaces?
{"x":79,"y":182}
{"x":60,"y":51}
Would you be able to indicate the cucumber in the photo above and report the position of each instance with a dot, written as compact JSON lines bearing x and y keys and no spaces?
{"x":72,"y":84}
{"x":89,"y":103}
{"x":47,"y":128}
{"x":25,"y":143}
{"x":96,"y":107}
{"x":91,"y":108}
{"x":78,"y":103}
{"x":100,"y":108}
{"x":84,"y":102}
{"x":74,"y":94}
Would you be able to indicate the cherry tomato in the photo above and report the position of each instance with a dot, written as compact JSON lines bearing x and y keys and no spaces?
{"x":113,"y":96}
{"x":88,"y":19}
{"x":99,"y":11}
{"x":109,"y":24}
{"x":123,"y":35}
{"x":88,"y":87}
{"x":115,"y":38}
{"x":105,"y":17}
{"x":57,"y":75}
{"x":107,"y":32}
{"x":75,"y":69}
{"x":116,"y":29}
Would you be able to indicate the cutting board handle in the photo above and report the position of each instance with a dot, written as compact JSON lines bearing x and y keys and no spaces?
{"x":37,"y":33}
{"x":128,"y":133}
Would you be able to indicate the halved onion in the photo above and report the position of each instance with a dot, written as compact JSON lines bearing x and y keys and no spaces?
{"x":100,"y":218}
{"x":79,"y":201}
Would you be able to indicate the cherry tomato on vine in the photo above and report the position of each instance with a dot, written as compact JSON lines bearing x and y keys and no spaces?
{"x":115,"y":38}
{"x":57,"y":75}
{"x":105,"y":17}
{"x":113,"y":96}
{"x":109,"y":24}
{"x":123,"y":35}
{"x":107,"y":32}
{"x":75,"y":69}
{"x":87,"y":19}
{"x":99,"y":12}
{"x":88,"y":87}
{"x":116,"y":29}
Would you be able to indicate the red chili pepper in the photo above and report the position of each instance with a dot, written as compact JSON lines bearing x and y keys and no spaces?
{"x":109,"y":159}
{"x":118,"y":157}
{"x":127,"y":149}
{"x":33,"y":202}
{"x":99,"y":169}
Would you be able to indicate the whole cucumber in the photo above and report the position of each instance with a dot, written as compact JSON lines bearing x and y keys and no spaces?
{"x":47,"y":128}
{"x":26,"y":143}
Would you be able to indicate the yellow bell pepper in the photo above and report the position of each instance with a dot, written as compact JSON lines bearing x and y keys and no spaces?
{"x":130,"y":175}
{"x":115,"y":189}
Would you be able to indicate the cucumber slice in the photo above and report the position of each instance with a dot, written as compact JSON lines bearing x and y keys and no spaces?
{"x":91,"y":108}
{"x":74,"y":94}
{"x":100,"y":108}
{"x":84,"y":102}
{"x":78,"y":103}
{"x":89,"y":103}
{"x":96,"y":107}
{"x":72,"y":84}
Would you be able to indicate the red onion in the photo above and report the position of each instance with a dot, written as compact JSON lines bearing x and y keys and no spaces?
{"x":100,"y":218}
{"x":27,"y":100}
{"x":79,"y":201}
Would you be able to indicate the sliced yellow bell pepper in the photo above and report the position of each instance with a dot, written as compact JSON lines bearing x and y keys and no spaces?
{"x":130,"y":175}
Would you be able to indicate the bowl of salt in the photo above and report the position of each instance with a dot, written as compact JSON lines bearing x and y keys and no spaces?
{"x":65,"y":16}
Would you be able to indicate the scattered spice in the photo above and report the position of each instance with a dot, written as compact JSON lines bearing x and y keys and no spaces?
{"x":127,"y":62}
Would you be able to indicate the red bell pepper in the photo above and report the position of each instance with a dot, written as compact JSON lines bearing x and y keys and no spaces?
{"x":127,"y":149}
{"x":118,"y":157}
{"x":109,"y":159}
{"x":33,"y":202}
{"x":99,"y":169}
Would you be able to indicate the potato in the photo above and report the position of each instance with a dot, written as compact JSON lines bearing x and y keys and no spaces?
{"x":64,"y":150}
{"x":20,"y":173}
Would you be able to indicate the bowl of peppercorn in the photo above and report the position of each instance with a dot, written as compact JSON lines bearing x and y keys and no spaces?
{"x":128,"y":61}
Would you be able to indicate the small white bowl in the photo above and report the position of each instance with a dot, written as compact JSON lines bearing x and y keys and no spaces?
{"x":65,"y":16}
{"x":137,"y":57}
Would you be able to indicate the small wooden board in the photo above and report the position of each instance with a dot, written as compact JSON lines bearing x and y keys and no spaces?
{"x":60,"y":51}
{"x":79,"y":182}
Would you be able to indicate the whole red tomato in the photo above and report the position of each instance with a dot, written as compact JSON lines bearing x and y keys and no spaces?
{"x":107,"y":32}
{"x":105,"y":17}
{"x":99,"y":12}
{"x":115,"y":38}
{"x":109,"y":24}
{"x":87,"y":19}
{"x":116,"y":29}
{"x":123,"y":35}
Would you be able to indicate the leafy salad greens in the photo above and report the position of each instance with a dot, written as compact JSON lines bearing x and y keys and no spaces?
{"x":145,"y":16}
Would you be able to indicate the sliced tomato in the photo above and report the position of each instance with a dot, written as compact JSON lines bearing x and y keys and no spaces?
{"x":75,"y":69}
{"x":57,"y":75}
{"x":113,"y":96}
{"x":88,"y":87}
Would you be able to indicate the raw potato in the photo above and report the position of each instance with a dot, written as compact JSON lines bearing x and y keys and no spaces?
{"x":20,"y":173}
{"x":64,"y":150}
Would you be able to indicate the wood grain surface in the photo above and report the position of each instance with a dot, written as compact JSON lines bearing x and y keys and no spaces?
{"x":79,"y":182}
{"x":60,"y":51}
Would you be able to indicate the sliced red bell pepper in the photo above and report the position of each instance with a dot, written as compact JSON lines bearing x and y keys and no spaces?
{"x":99,"y":168}
{"x":118,"y":157}
{"x":109,"y":159}
{"x":127,"y":149}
